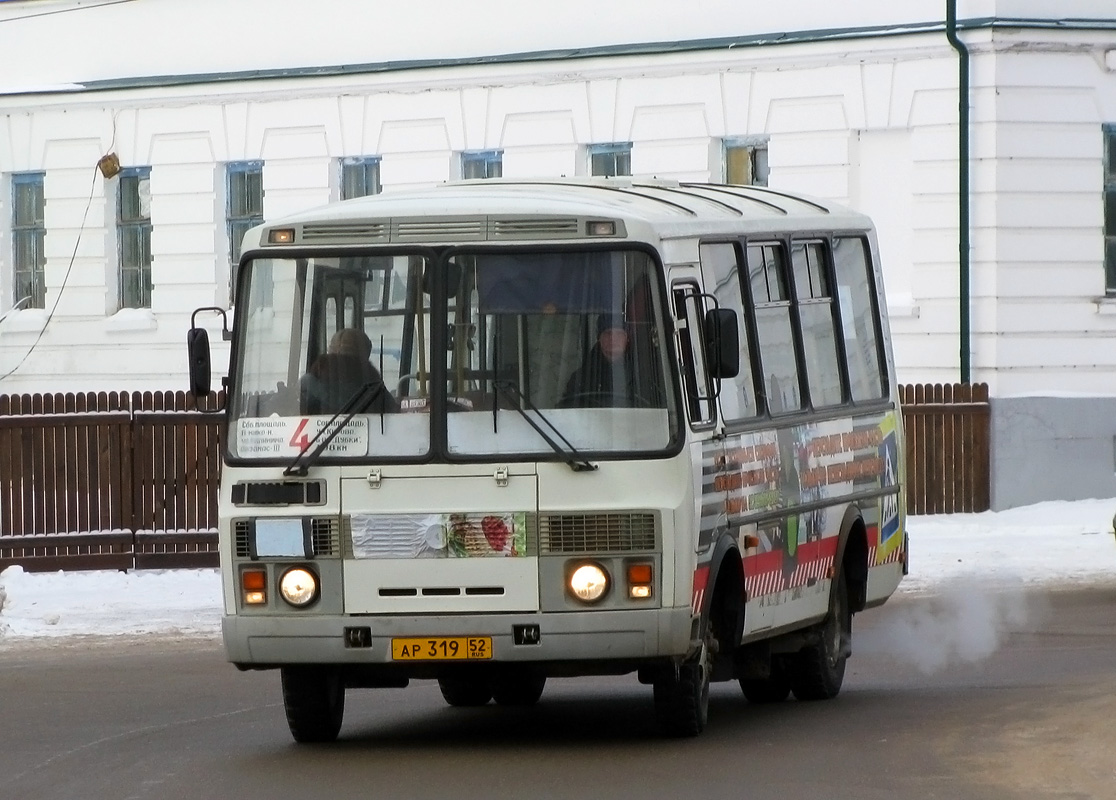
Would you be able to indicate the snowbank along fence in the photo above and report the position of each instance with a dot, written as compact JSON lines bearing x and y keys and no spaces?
{"x":123,"y":480}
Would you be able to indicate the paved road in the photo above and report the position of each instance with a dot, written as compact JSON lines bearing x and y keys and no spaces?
{"x":133,"y":719}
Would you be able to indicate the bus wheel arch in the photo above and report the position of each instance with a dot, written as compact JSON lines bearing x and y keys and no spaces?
{"x":682,"y":693}
{"x":852,"y":559}
{"x":723,"y":607}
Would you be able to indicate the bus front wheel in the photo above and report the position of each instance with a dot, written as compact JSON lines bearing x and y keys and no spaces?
{"x":682,"y":699}
{"x":314,"y":700}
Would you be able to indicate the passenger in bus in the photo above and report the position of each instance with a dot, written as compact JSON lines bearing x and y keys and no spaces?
{"x":606,"y":378}
{"x":337,"y":375}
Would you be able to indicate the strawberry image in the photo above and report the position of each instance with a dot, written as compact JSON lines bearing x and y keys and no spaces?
{"x":496,"y":532}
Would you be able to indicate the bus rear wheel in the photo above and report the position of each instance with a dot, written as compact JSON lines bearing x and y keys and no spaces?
{"x":518,"y":688}
{"x":314,"y":701}
{"x":465,"y":691}
{"x":818,"y":670}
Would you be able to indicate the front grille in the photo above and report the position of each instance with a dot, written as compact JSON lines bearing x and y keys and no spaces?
{"x":596,"y":533}
{"x":242,"y":533}
{"x":325,"y":537}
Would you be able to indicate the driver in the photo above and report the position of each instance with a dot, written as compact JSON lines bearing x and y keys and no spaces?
{"x":606,"y":377}
{"x":340,"y":373}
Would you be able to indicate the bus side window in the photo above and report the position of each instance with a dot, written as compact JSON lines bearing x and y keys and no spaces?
{"x":720,"y":268}
{"x":816,"y":316}
{"x":859,"y":318}
{"x":767,"y":274}
{"x":689,"y":313}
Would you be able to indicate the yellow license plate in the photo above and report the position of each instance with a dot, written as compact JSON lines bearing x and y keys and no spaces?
{"x":442,"y":648}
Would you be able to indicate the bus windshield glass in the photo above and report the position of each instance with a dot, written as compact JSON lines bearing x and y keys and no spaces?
{"x":469,"y":354}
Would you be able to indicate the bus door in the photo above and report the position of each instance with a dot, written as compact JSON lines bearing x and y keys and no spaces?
{"x":699,"y":398}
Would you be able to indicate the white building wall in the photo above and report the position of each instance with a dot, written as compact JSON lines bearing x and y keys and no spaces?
{"x":1045,"y":324}
{"x":870,"y":123}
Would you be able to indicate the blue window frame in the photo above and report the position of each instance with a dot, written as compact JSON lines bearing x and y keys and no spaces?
{"x":1110,"y":210}
{"x":477,"y":164}
{"x":610,"y":160}
{"x":245,"y":207}
{"x":133,"y":229}
{"x":28,"y":239}
{"x":360,"y":176}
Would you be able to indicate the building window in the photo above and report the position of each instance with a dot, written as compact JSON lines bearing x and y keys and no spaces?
{"x":477,"y":164}
{"x":610,"y":160}
{"x":360,"y":176}
{"x":1110,"y":209}
{"x":745,"y":162}
{"x":28,"y":237}
{"x":133,"y":230}
{"x":245,"y":206}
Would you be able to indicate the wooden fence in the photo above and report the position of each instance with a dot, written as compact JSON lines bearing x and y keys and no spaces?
{"x":113,"y":480}
{"x":129,"y":480}
{"x":948,"y":429}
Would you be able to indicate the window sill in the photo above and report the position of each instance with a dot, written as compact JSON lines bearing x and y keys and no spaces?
{"x":131,"y":319}
{"x":1106,"y":306}
{"x":27,"y":320}
{"x":900,"y":307}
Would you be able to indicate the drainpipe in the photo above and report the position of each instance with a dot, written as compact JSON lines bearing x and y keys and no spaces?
{"x":962,"y":180}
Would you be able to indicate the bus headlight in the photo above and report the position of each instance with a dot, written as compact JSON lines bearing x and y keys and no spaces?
{"x":589,"y":583}
{"x":299,"y":587}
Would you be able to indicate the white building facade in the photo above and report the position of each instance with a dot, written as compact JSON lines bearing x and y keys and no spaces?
{"x":266,"y":116}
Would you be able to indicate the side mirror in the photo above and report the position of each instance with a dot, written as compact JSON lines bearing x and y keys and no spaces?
{"x":197,"y":347}
{"x":722,"y":342}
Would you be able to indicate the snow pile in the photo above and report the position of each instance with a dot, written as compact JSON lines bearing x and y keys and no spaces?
{"x":968,"y":572}
{"x":1053,"y":543}
{"x":164,"y":602}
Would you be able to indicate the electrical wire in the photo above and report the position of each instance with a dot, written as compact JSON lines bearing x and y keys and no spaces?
{"x":65,"y":10}
{"x":65,"y":279}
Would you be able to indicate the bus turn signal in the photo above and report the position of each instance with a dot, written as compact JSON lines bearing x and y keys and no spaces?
{"x":254,"y":584}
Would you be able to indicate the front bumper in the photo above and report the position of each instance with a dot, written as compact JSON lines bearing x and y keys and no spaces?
{"x":579,"y":636}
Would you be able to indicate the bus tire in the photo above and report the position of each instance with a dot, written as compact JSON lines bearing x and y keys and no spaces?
{"x":465,"y":692}
{"x":314,"y":702}
{"x":518,"y":689}
{"x":818,"y":670}
{"x":682,"y":700}
{"x":773,"y":689}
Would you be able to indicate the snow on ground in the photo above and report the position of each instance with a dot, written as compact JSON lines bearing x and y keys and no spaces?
{"x":989,"y":556}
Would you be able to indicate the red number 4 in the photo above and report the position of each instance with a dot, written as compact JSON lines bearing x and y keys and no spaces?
{"x":299,"y":438}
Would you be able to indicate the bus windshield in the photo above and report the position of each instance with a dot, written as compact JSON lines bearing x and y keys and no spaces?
{"x":465,"y":354}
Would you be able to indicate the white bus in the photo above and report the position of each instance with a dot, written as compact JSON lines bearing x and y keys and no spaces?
{"x":496,"y":432}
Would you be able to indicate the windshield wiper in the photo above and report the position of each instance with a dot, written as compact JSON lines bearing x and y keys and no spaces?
{"x":353,"y":406}
{"x":569,"y":453}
